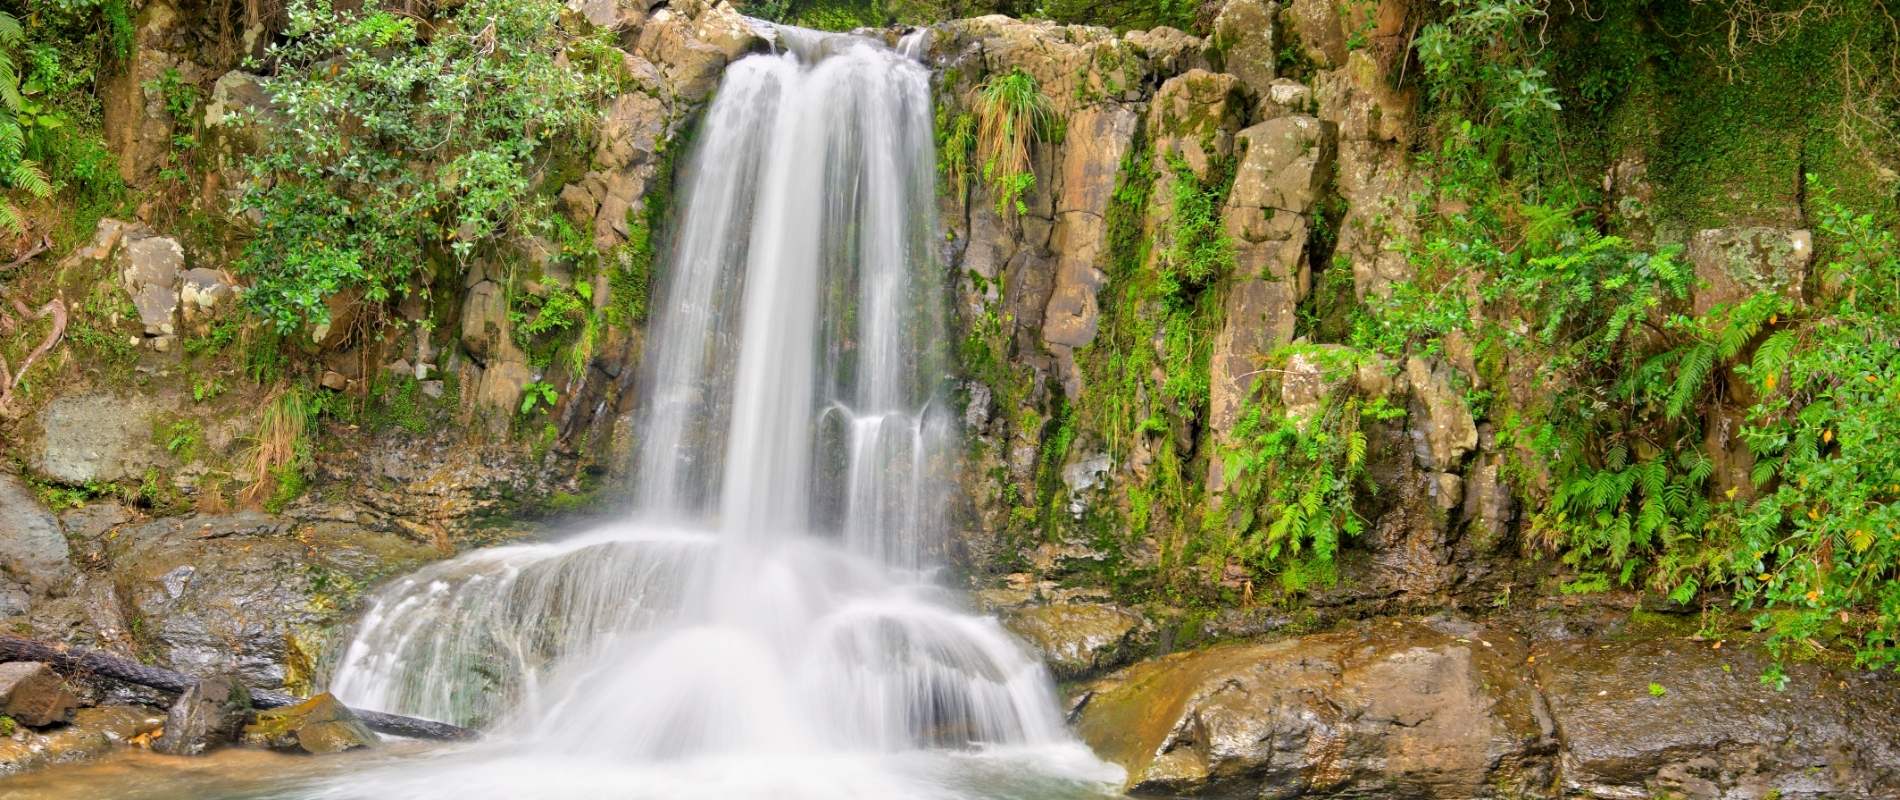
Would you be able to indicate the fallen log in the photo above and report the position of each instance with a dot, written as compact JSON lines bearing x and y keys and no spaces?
{"x":106,"y":665}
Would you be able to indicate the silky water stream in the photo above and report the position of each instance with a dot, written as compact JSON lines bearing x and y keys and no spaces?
{"x":765,"y":625}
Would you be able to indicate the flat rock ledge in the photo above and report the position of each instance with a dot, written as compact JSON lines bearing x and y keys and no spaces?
{"x":1438,"y":708}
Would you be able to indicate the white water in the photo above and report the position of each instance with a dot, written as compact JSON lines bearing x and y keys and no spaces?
{"x":765,"y":626}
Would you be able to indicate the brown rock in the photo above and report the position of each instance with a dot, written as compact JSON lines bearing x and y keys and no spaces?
{"x":33,"y":694}
{"x":1245,"y":35}
{"x":1387,"y":710}
{"x":1656,"y":716}
{"x":1097,"y":141}
{"x":1078,"y":640}
{"x":318,"y":725}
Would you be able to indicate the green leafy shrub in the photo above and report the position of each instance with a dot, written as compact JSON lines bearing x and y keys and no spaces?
{"x":397,"y":148}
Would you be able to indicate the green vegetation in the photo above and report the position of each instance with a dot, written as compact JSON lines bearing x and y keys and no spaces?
{"x":52,"y":54}
{"x":1012,"y":115}
{"x":1625,"y":377}
{"x":441,"y":151}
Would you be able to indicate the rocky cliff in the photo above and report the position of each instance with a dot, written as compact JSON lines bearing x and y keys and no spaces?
{"x":1203,"y":477}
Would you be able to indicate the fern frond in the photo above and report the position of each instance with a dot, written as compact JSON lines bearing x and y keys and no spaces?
{"x":28,"y":177}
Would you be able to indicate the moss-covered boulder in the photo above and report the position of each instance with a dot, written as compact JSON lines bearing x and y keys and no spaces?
{"x":319,"y":725}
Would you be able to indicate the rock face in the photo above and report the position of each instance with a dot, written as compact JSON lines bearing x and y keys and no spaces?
{"x":1654,"y":718}
{"x":34,"y":557}
{"x":210,"y":713}
{"x":34,"y":695}
{"x":246,"y":594}
{"x":318,"y":725}
{"x":1452,"y":709}
{"x":95,"y":438}
{"x":1078,"y":640}
{"x":1732,"y":264}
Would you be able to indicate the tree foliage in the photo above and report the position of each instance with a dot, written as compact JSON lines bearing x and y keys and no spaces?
{"x":399,"y":141}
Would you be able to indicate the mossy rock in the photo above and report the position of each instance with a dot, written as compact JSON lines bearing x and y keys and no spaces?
{"x":319,"y":725}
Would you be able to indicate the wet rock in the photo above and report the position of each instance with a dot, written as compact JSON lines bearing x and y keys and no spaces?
{"x":208,"y":714}
{"x":1732,"y":264}
{"x":94,"y":437}
{"x":1655,"y":716}
{"x":318,"y":725}
{"x":34,"y":695}
{"x":1385,"y":710}
{"x":244,"y":594}
{"x":92,"y":733}
{"x":33,"y":551}
{"x":1079,"y":640}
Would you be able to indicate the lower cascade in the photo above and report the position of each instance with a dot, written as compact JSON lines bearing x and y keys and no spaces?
{"x":765,"y":624}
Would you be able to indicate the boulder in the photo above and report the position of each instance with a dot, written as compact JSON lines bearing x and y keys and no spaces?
{"x":208,"y":714}
{"x":1396,"y":709}
{"x":202,"y":291}
{"x":34,"y":695}
{"x":95,"y":438}
{"x":319,"y":725}
{"x":33,"y":551}
{"x":242,"y":594}
{"x":1079,"y":640}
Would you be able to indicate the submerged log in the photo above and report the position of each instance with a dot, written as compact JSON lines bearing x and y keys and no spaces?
{"x":107,"y":665}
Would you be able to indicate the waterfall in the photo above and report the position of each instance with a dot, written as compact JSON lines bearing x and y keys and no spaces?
{"x":770,"y":596}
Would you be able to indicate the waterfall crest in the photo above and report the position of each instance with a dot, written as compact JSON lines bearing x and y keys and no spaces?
{"x":770,"y":596}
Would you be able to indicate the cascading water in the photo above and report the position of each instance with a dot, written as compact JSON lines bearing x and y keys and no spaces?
{"x":764,"y":626}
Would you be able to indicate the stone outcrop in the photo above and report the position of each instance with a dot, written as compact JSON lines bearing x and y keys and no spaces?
{"x":319,"y":725}
{"x":1285,"y":164}
{"x":1079,"y":640}
{"x":34,"y":557}
{"x":1732,"y":264}
{"x":1443,"y":708}
{"x":95,"y":438}
{"x":1404,"y":709}
{"x":249,"y":595}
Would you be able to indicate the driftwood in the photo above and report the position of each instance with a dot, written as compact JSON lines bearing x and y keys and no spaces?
{"x":106,"y":665}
